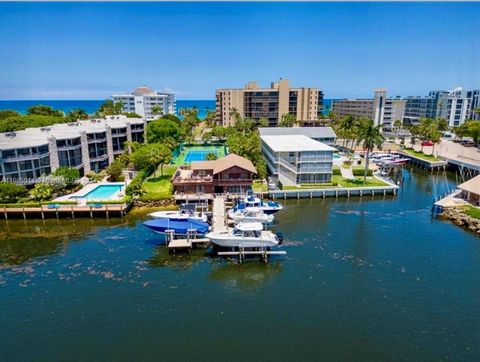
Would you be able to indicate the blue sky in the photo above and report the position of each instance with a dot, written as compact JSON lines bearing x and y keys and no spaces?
{"x":91,"y":50}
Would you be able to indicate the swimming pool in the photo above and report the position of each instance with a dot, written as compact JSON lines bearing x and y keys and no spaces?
{"x":101,"y":192}
{"x":195,"y":155}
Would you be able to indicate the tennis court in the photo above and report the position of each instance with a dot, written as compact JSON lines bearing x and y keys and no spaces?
{"x":198,"y":153}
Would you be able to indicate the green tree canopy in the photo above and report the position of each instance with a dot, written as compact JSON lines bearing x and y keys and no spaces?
{"x":77,"y":114}
{"x":41,"y":192}
{"x":10,"y":192}
{"x":70,"y":174}
{"x":163,"y":129}
{"x":43,"y":110}
{"x":288,"y":120}
{"x":7,"y":113}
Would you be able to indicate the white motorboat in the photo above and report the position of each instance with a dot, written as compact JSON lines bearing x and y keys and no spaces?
{"x":250,"y":214}
{"x":268,"y":207}
{"x":186,"y":212}
{"x":245,"y":235}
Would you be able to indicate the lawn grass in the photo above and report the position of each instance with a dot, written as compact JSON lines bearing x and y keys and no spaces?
{"x":421,"y":155}
{"x":340,"y":182}
{"x":259,"y":186}
{"x":157,"y":187}
{"x":472,"y":211}
{"x":358,"y":182}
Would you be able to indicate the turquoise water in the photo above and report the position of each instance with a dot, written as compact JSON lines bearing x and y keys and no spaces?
{"x":364,"y":279}
{"x":102,"y":192}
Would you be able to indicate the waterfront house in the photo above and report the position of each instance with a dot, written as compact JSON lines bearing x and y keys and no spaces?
{"x":229,"y":174}
{"x":298,"y":159}
{"x":471,"y":190}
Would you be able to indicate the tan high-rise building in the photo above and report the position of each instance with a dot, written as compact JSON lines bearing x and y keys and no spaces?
{"x":270,"y":103}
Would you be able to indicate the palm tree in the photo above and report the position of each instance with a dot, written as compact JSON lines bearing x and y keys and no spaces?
{"x":370,"y":137}
{"x":397,"y":125}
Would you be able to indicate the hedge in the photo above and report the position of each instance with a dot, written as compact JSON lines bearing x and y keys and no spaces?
{"x":136,"y":183}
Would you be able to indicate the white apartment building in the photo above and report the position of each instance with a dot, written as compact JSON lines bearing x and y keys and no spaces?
{"x":86,"y":145}
{"x":143,"y":100}
{"x":296,"y":158}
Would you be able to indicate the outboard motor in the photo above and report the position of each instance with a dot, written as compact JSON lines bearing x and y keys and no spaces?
{"x":280,"y":238}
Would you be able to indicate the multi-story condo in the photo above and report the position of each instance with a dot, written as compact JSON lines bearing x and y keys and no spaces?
{"x":144,"y":102}
{"x":86,"y":145}
{"x":270,"y":103}
{"x":296,"y":158}
{"x":455,"y":106}
{"x":381,"y":110}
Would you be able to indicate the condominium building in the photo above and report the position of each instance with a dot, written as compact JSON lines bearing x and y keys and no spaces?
{"x":145,"y":102}
{"x":455,"y":106}
{"x":270,"y":103}
{"x":380,"y":109}
{"x":86,"y":145}
{"x":297,"y":158}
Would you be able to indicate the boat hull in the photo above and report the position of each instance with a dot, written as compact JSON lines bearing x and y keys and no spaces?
{"x":224,"y":240}
{"x":179,"y":227}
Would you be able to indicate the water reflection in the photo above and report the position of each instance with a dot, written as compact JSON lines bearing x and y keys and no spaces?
{"x":24,"y":240}
{"x":248,"y":276}
{"x":182,"y":260}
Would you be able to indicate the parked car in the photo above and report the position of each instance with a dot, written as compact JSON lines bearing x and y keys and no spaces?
{"x":427,"y":143}
{"x":468,"y":143}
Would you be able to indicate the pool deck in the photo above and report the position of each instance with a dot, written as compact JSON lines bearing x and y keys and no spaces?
{"x":89,"y":188}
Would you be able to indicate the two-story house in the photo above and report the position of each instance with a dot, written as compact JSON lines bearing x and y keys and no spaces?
{"x":229,"y":174}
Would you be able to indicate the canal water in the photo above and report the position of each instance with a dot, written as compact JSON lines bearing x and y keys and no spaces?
{"x":364,"y":279}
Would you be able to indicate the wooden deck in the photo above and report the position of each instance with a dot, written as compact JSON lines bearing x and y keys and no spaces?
{"x":219,"y":217}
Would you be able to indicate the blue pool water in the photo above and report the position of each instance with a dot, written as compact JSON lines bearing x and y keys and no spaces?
{"x":102,"y":192}
{"x":198,"y":155}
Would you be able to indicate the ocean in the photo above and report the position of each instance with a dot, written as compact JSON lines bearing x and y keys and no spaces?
{"x":90,"y":106}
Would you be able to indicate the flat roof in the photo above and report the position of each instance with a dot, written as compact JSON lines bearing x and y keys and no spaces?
{"x":33,"y":137}
{"x":312,"y":132}
{"x":294,"y":143}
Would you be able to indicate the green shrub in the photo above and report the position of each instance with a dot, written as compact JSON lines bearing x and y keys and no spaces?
{"x":10,"y":192}
{"x":361,"y":172}
{"x":70,"y":174}
{"x":135,"y":186}
{"x":336,"y":172}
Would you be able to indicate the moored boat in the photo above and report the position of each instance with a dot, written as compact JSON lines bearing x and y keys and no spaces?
{"x":185,"y":212}
{"x":179,"y":226}
{"x":250,"y":214}
{"x":268,"y":207}
{"x":245,"y":235}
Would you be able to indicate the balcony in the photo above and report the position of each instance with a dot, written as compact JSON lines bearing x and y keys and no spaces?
{"x":185,"y":176}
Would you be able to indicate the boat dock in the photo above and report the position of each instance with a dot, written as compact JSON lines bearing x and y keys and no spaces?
{"x":242,"y":253}
{"x":439,"y":165}
{"x":219,"y":214}
{"x":59,"y":210}
{"x":184,"y":243}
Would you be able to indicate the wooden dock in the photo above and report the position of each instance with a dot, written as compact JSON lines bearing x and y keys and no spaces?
{"x":219,"y":214}
{"x":187,"y":243}
{"x":59,"y":210}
